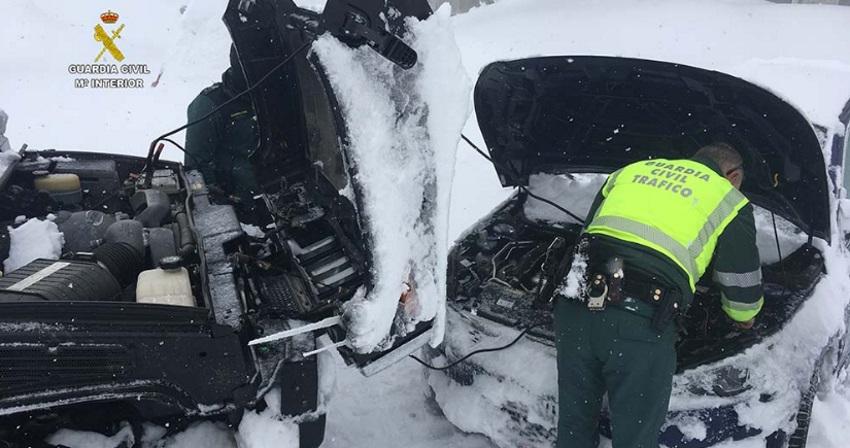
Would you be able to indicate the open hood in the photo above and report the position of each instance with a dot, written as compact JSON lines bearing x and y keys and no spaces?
{"x":597,"y":114}
{"x":344,"y":109}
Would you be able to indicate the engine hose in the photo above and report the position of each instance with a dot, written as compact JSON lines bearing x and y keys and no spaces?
{"x":186,"y":240}
{"x":121,"y":260}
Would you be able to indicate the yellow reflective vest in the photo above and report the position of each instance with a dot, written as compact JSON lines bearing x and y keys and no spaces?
{"x":678,"y":208}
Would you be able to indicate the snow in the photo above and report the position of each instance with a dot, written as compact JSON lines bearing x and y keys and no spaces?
{"x":201,"y":434}
{"x":831,"y":424}
{"x":795,"y":50}
{"x":404,"y":169}
{"x":33,"y":239}
{"x":252,"y":230}
{"x":4,"y":141}
{"x":500,"y":394}
{"x":189,"y":49}
{"x":575,"y":284}
{"x":798,"y":50}
{"x":790,"y":237}
{"x":87,"y":439}
{"x":267,"y":429}
{"x":574,"y":192}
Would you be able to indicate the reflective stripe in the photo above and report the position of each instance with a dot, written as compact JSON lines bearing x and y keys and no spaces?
{"x":652,"y":235}
{"x":741,"y":306}
{"x":740,"y":311}
{"x":725,"y":208}
{"x":739,"y":279}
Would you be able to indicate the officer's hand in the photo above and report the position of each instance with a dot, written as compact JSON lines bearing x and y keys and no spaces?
{"x":746,"y":325}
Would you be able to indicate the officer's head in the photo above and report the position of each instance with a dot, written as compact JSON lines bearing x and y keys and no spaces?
{"x":727,"y":158}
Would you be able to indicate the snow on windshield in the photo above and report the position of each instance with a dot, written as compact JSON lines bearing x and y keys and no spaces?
{"x":403,"y":129}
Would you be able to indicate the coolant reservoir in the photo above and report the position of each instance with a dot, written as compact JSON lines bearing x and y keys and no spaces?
{"x":63,"y":188}
{"x":165,"y":286}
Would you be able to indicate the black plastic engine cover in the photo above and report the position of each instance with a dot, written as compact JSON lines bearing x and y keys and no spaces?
{"x":62,"y":280}
{"x":65,"y":353}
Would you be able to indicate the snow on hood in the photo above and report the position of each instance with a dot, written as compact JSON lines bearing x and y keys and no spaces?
{"x":403,"y":128}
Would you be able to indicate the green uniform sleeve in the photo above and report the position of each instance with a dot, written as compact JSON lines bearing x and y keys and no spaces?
{"x":600,"y":196}
{"x":597,"y":201}
{"x":737,"y":268}
{"x":202,"y":139}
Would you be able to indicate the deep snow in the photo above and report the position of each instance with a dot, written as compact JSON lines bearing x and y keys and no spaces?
{"x":41,"y":38}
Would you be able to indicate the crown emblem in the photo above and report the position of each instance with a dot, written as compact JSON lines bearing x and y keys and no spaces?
{"x":109,"y":17}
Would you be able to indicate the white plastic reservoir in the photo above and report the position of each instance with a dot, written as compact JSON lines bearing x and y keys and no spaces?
{"x":165,"y":287}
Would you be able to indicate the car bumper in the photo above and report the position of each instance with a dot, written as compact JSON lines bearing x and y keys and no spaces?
{"x":511,"y":396}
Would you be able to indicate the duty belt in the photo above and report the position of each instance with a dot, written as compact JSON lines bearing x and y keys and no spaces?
{"x":611,"y":284}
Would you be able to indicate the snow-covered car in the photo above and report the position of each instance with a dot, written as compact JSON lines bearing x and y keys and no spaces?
{"x":555,"y":127}
{"x":132,"y":288}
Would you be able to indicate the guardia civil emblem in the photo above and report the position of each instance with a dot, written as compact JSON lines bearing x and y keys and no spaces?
{"x":108,"y":39}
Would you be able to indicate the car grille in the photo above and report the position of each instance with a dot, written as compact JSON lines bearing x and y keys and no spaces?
{"x":34,"y":367}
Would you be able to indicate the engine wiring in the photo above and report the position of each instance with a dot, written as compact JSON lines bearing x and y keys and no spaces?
{"x":528,"y":328}
{"x":483,"y":350}
{"x":538,"y":324}
{"x":522,"y":188}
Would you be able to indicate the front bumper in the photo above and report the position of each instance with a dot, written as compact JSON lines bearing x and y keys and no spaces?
{"x":174,"y":360}
{"x":516,"y":392}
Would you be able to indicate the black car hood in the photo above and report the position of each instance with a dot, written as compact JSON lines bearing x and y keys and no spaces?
{"x":597,"y":114}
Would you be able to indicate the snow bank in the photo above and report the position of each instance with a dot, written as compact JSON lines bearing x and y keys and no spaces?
{"x":511,"y":396}
{"x":831,"y":424}
{"x":32,"y":240}
{"x":267,"y":429}
{"x":403,"y":131}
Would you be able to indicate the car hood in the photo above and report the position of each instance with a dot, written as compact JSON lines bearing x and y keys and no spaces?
{"x":597,"y":114}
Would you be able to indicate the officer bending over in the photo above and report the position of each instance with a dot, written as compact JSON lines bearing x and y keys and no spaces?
{"x":220,"y":146}
{"x":650,"y":235}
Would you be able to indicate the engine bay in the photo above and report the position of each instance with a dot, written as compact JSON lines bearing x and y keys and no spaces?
{"x":169,"y":239}
{"x":505,"y":270}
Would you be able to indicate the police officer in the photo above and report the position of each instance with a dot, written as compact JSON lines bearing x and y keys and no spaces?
{"x":220,"y":146}
{"x":650,"y":235}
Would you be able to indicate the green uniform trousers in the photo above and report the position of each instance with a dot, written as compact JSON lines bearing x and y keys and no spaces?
{"x":615,"y":351}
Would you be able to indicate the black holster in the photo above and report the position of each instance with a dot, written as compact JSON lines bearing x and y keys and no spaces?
{"x":666,"y":310}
